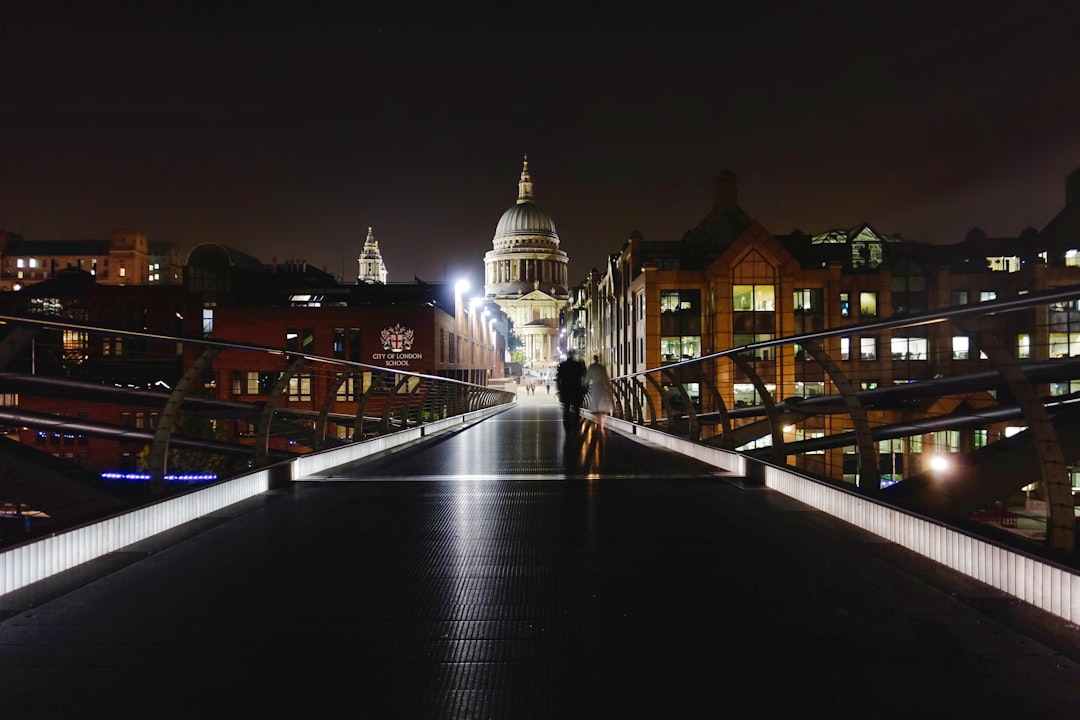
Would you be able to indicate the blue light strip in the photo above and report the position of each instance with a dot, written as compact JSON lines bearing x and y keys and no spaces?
{"x":143,"y":477}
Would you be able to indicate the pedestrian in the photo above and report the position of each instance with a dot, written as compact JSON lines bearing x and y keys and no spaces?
{"x":598,"y":384}
{"x":569,"y":382}
{"x":548,"y":384}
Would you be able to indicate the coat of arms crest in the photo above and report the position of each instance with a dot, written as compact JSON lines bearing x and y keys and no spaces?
{"x":397,"y":338}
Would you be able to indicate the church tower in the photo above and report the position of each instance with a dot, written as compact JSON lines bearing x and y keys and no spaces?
{"x":372,"y":267}
{"x":525,"y":274}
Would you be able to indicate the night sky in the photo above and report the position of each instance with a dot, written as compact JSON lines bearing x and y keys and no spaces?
{"x":286,"y":134}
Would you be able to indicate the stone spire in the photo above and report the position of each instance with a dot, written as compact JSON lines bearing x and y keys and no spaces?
{"x":525,"y":184}
{"x":372,"y":267}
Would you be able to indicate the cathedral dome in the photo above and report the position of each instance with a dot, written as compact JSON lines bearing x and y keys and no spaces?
{"x":525,"y":219}
{"x":525,"y":224}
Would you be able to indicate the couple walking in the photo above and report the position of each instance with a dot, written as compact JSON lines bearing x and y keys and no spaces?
{"x":573,"y":380}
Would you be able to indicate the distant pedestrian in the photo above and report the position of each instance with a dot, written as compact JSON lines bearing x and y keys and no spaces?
{"x":598,"y":384}
{"x":569,"y":381}
{"x":548,"y":383}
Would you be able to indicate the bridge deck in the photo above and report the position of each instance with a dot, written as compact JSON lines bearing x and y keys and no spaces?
{"x":500,"y":572}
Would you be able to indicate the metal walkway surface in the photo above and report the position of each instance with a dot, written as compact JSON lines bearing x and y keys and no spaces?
{"x":502,"y":571}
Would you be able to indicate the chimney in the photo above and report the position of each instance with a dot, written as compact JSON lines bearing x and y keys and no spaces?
{"x":725,"y":191}
{"x":1072,"y":188}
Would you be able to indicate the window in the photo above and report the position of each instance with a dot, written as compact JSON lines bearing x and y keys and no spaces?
{"x":757,"y":298}
{"x":207,"y":321}
{"x":245,"y":383}
{"x":1064,"y":344}
{"x":987,"y":295}
{"x":675,"y":349}
{"x":1023,"y":346}
{"x":75,"y":345}
{"x":868,"y":304}
{"x":845,"y":348}
{"x":354,"y":344}
{"x":960,"y":347}
{"x":112,"y":346}
{"x":346,"y":392}
{"x":866,"y":254}
{"x":810,"y":300}
{"x":754,"y":319}
{"x":908,"y":348}
{"x":1067,"y":387}
{"x":339,"y":343}
{"x":688,"y":301}
{"x":1004,"y":263}
{"x":746,"y":395}
{"x":868,"y":348}
{"x":809,"y":389}
{"x":959,"y":297}
{"x":845,"y":305}
{"x":300,"y":387}
{"x":809,"y":310}
{"x":761,"y":353}
{"x":680,"y":325}
{"x":1072,"y":258}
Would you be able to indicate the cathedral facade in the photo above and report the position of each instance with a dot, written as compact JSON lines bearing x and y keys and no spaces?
{"x":525,"y":274}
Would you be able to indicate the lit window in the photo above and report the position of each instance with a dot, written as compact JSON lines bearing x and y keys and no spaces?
{"x":868,"y":348}
{"x":1023,"y":346}
{"x":33,"y":262}
{"x":868,"y":304}
{"x":960,"y":347}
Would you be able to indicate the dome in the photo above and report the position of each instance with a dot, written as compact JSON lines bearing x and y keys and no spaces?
{"x":525,"y":225}
{"x":525,"y":219}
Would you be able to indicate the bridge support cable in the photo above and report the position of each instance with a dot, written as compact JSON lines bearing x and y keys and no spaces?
{"x":159,"y":449}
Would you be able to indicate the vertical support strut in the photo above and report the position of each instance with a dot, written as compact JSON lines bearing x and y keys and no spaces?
{"x":159,"y":450}
{"x":869,"y":469}
{"x":262,"y":433}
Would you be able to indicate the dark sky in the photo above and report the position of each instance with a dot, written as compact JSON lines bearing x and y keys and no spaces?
{"x":286,"y":133}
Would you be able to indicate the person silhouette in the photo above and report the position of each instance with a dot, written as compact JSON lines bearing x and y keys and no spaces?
{"x":569,"y":383}
{"x":601,"y":398}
